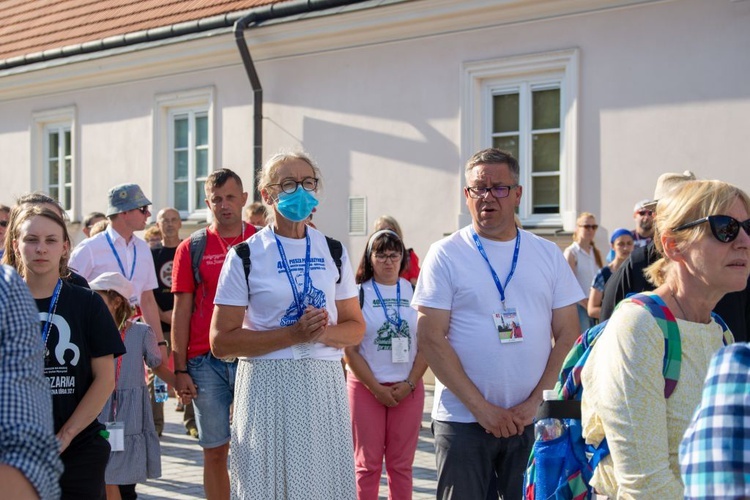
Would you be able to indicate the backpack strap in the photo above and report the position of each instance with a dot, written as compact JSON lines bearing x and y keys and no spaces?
{"x":337,"y":250}
{"x":361,"y":296}
{"x":243,"y":251}
{"x":672,"y":344}
{"x":197,"y":248}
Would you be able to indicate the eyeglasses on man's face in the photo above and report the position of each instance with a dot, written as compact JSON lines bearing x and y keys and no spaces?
{"x":143,"y":210}
{"x":3,"y":223}
{"x":724,"y":227}
{"x":290,"y":185}
{"x":644,"y":213}
{"x":498,"y":191}
{"x":383,"y":257}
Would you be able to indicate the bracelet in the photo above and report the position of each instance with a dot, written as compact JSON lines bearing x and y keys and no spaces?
{"x":411,"y":384}
{"x":162,"y":342}
{"x":180,"y":371}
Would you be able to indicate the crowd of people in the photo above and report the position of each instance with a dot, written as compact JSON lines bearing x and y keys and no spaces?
{"x":260,"y":308}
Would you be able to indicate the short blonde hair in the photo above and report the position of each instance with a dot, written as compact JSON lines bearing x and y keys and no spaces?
{"x":267,"y":175}
{"x":388,"y":222}
{"x":691,"y":201}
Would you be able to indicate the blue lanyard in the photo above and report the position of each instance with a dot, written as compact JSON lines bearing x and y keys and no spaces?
{"x":500,"y":286}
{"x":119,"y":262}
{"x":52,"y":309}
{"x":299,"y":297}
{"x":397,"y":321}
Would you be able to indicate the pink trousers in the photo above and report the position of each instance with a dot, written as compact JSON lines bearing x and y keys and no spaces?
{"x":381,"y":432}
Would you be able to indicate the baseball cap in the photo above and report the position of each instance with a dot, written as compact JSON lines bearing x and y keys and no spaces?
{"x":113,"y":281}
{"x":666,"y":183}
{"x":126,"y":197}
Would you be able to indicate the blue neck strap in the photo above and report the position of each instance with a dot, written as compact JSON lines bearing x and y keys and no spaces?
{"x":119,"y":262}
{"x":500,"y":287}
{"x":299,"y":297}
{"x":395,"y":322}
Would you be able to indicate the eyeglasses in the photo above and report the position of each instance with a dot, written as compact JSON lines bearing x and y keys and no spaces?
{"x":142,"y":210}
{"x":497,"y":191}
{"x":3,"y":223}
{"x":383,"y":257}
{"x":644,"y":213}
{"x":724,"y":228}
{"x":289,"y":186}
{"x":590,"y":226}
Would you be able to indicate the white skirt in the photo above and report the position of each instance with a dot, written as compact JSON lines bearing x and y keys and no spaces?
{"x":291,"y":431}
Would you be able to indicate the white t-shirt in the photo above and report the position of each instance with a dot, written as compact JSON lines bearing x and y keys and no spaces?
{"x":93,"y":256}
{"x":586,"y":267}
{"x":271,"y":302}
{"x":455,"y":277}
{"x":376,"y":344}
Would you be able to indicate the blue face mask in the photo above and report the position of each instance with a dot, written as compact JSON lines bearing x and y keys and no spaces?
{"x":296,"y":206}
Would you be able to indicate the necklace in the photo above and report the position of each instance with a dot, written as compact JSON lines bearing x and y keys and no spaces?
{"x":671,"y":292}
{"x":234,"y":240}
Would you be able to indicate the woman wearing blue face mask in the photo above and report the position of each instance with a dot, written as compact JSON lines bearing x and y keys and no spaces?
{"x":288,"y":321}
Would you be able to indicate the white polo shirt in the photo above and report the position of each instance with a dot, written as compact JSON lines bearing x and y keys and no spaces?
{"x":94,"y":256}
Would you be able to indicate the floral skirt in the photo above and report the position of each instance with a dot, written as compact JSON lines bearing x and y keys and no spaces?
{"x":291,"y":432}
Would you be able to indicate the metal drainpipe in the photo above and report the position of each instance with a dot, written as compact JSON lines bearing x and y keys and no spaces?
{"x":259,"y":15}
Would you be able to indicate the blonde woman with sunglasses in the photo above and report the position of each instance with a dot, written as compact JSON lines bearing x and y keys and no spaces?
{"x":703,"y":236}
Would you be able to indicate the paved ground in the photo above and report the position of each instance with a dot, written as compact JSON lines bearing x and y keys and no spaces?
{"x":182,"y":461}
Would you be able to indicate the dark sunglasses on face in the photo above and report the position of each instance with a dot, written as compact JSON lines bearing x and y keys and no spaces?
{"x":643,"y":213}
{"x":723,"y":227}
{"x":142,"y":210}
{"x":3,"y":223}
{"x":590,"y":226}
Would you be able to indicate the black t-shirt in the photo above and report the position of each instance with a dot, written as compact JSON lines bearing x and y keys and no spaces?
{"x":734,"y":308}
{"x":163,"y":258}
{"x":77,"y":279}
{"x":82,"y":328}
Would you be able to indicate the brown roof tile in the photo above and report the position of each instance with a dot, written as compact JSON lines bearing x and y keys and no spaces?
{"x":30,"y":26}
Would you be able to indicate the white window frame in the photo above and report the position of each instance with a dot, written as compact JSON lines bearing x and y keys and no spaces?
{"x":58,"y":120}
{"x":166,"y":108}
{"x":483,"y":79}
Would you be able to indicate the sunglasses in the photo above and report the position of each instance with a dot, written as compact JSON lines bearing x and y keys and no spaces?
{"x":643,"y":213}
{"x":3,"y":223}
{"x":590,"y":226}
{"x":142,"y":210}
{"x":723,"y":227}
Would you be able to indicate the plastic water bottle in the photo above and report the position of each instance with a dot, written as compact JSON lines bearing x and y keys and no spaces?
{"x":548,"y":429}
{"x":160,"y":390}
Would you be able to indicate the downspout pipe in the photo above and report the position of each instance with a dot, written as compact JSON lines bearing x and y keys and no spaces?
{"x":255,"y":17}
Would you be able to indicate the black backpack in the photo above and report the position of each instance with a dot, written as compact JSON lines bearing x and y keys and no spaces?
{"x":198,"y":247}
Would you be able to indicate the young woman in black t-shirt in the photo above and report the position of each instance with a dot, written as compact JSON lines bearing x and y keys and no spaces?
{"x":80,"y":340}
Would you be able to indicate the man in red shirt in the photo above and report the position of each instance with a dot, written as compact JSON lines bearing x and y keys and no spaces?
{"x":200,"y":375}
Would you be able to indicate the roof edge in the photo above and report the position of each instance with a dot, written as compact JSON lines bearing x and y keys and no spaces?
{"x":259,"y":14}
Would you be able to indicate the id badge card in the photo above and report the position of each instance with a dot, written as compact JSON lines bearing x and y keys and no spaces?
{"x":116,"y":435}
{"x":302,"y":351}
{"x":399,"y":349}
{"x":508,"y":325}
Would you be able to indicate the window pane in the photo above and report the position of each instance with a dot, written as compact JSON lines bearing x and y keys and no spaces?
{"x":201,"y":163}
{"x":66,"y":151}
{"x":54,"y":193}
{"x":54,"y":144}
{"x":66,"y":202}
{"x":67,"y":173}
{"x":545,"y":153}
{"x":509,"y":144}
{"x":180,"y":165}
{"x":546,"y":109}
{"x":201,"y":130}
{"x":200,"y":195}
{"x":180,"y":133}
{"x":505,"y":113}
{"x":54,"y":172}
{"x":546,"y":194}
{"x":181,"y":196}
